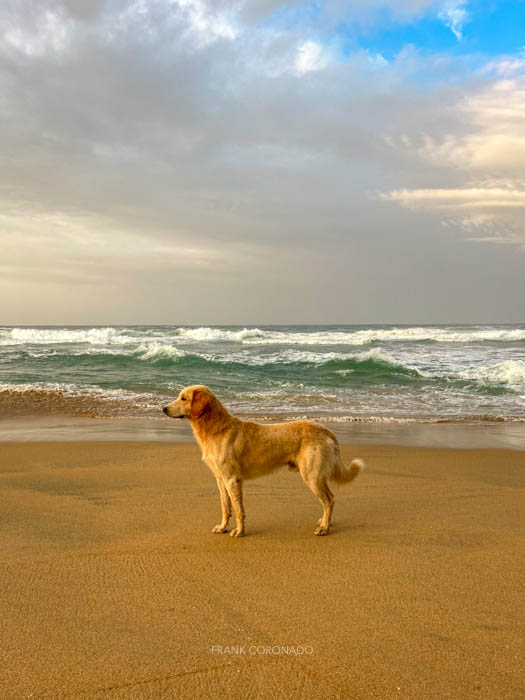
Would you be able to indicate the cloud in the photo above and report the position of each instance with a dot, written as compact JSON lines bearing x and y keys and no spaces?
{"x":145,"y":143}
{"x":490,"y":132}
{"x":309,"y":57}
{"x":488,"y":214}
{"x":481,"y":146}
{"x":475,"y":197}
{"x":207,"y":24}
{"x":332,"y":12}
{"x":506,"y":66}
{"x":46,"y":32}
{"x":454,"y":15}
{"x":66,"y":241}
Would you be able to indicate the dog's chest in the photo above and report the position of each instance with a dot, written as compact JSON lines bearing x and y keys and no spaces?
{"x":212,"y":462}
{"x":214,"y":456}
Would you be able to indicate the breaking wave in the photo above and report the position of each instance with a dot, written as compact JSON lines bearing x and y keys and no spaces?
{"x":349,"y":373}
{"x":511,"y":372}
{"x":258,"y":336}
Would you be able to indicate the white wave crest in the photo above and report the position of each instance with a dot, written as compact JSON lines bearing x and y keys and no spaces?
{"x":256,"y":336}
{"x":290,"y":356}
{"x":378,"y":355}
{"x":219,"y":334}
{"x":437,"y":335}
{"x":52,"y":336}
{"x":510,"y":372}
{"x":157,"y":350}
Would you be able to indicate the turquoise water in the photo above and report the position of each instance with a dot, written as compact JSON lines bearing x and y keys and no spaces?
{"x":336,"y":373}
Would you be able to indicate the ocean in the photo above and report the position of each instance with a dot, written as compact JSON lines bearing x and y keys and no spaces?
{"x":337,"y":374}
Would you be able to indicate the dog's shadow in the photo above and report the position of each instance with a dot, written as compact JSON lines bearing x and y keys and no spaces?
{"x":345,"y":527}
{"x":336,"y":530}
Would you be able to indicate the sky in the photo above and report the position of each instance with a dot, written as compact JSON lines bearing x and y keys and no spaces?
{"x":258,"y":162}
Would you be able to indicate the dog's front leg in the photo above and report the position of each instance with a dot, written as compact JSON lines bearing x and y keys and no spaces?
{"x":226,"y":507}
{"x":234,"y":486}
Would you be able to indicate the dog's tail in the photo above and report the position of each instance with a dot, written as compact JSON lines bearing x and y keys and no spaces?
{"x":343,"y":474}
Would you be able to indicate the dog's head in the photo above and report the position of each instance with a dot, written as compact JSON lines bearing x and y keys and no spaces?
{"x":192,"y":402}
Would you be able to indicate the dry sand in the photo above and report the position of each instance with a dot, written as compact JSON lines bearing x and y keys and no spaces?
{"x":112,"y":585}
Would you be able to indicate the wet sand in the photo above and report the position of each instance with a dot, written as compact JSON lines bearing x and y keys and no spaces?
{"x":65,"y":428}
{"x":114,"y":587}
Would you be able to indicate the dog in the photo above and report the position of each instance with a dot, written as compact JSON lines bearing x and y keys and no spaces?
{"x":236,"y":450}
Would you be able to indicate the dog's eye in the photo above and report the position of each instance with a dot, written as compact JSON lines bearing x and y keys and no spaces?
{"x":183,"y":398}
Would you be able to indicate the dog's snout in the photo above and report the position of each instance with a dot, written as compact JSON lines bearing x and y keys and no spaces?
{"x":165,"y":410}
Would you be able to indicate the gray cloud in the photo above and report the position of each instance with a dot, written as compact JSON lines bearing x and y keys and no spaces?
{"x":176,"y":159}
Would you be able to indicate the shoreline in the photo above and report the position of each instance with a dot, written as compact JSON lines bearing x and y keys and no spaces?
{"x":32,"y":402}
{"x":113,"y":586}
{"x":451,"y":435}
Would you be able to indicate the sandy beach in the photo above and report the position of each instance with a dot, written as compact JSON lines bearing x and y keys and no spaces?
{"x":114,"y":587}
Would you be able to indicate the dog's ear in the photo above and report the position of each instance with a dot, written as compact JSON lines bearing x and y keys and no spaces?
{"x":199,"y":403}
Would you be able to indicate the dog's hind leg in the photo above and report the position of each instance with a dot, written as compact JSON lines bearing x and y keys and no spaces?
{"x":226,"y":508}
{"x":234,"y":486}
{"x":311,"y":464}
{"x":331,"y":498}
{"x":327,"y":501}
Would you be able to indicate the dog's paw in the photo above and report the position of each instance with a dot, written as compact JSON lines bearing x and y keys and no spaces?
{"x":219,"y":529}
{"x":321,"y":531}
{"x":237,"y":532}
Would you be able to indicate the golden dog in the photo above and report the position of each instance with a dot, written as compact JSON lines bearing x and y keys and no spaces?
{"x":236,"y":450}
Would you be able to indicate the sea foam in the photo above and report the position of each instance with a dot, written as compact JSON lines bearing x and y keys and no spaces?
{"x":256,"y":336}
{"x":50,"y":336}
{"x":510,"y":372}
{"x":155,"y":351}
